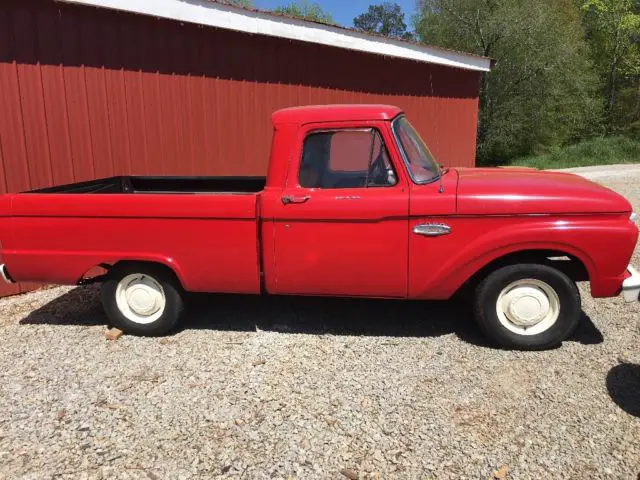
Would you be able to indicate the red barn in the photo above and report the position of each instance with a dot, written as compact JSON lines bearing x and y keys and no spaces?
{"x":94,"y":88}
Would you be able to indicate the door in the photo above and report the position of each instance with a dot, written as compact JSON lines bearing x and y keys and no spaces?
{"x":341,"y":224}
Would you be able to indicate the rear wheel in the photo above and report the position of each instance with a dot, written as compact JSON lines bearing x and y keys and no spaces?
{"x":528,"y":307}
{"x":142,"y":299}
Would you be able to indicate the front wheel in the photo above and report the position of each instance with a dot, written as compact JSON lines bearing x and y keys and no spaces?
{"x":527,"y":307}
{"x":142,"y":299}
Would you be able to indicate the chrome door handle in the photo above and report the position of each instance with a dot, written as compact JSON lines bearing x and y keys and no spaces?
{"x":432,"y":229}
{"x":287,"y":199}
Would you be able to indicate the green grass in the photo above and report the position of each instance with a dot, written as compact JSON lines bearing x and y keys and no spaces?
{"x":597,"y":151}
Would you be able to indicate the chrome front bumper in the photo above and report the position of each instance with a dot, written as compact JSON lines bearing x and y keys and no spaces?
{"x":5,"y":274}
{"x":631,"y":286}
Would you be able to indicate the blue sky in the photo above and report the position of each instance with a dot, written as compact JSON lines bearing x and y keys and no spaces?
{"x":343,"y":11}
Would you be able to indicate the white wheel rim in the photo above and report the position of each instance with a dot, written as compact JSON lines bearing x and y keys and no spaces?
{"x":528,"y":307}
{"x":140,"y":298}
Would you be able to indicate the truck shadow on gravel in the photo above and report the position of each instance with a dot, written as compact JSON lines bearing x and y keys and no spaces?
{"x":348,"y":316}
{"x":623,"y":385}
{"x":300,"y":315}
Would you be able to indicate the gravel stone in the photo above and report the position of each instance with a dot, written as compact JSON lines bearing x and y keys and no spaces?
{"x":113,"y":334}
{"x":384,"y":389}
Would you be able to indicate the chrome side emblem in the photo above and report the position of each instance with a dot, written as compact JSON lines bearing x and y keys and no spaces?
{"x":432,"y":229}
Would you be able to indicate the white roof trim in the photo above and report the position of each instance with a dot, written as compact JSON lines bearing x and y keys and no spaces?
{"x":263,"y":23}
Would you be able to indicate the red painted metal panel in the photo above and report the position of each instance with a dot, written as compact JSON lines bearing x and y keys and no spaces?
{"x":93,"y":230}
{"x":116,"y":99}
{"x":92,"y":50}
{"x":134,"y":91}
{"x":34,"y":120}
{"x":73,"y":72}
{"x":88,"y":92}
{"x":11,"y":123}
{"x":53,"y":93}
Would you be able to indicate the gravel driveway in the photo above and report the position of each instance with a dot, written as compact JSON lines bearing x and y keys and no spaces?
{"x":262,"y":388}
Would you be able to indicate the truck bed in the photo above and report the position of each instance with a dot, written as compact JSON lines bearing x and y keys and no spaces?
{"x":164,"y":185}
{"x":204,"y":228}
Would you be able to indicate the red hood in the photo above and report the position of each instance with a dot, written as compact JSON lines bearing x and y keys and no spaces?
{"x":497,"y":191}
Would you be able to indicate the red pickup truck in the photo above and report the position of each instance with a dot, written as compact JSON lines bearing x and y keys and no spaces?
{"x":353,"y":205}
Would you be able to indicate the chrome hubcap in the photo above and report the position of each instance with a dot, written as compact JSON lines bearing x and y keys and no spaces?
{"x":528,"y":307}
{"x":140,"y":298}
{"x":143,"y":299}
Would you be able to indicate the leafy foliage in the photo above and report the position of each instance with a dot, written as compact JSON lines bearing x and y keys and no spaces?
{"x":613,"y":28}
{"x":386,"y":19}
{"x":542,"y":91}
{"x":238,"y":3}
{"x":595,"y":151}
{"x":308,"y":11}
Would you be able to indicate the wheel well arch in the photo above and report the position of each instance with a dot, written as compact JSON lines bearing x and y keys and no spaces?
{"x":101,"y":271}
{"x":567,"y":263}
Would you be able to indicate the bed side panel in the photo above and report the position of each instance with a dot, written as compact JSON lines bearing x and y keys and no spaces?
{"x":210,"y":241}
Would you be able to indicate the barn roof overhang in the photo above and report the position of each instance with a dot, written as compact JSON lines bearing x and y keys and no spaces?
{"x":206,"y":12}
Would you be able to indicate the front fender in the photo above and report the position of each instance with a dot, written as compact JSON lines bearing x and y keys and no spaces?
{"x":439,"y":266}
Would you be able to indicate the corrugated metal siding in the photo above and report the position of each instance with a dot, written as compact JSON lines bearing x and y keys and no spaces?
{"x":88,"y":93}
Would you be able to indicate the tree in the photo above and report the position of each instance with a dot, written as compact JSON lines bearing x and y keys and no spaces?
{"x":386,"y":19}
{"x":543,"y":89}
{"x":238,"y":3}
{"x":614,"y":34}
{"x":308,"y":11}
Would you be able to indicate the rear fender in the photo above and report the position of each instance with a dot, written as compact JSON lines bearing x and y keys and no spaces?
{"x":168,"y":262}
{"x":71,"y":269}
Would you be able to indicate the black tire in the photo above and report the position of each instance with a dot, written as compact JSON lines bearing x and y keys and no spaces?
{"x":486,"y":310}
{"x":171,"y":289}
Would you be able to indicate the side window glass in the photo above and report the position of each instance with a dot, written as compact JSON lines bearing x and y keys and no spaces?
{"x":345,"y":159}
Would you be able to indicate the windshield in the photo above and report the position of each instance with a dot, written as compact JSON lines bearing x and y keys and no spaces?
{"x":421,"y":164}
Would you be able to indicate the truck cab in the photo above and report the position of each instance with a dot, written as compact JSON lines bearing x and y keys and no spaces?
{"x":362,"y":174}
{"x":338,"y":209}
